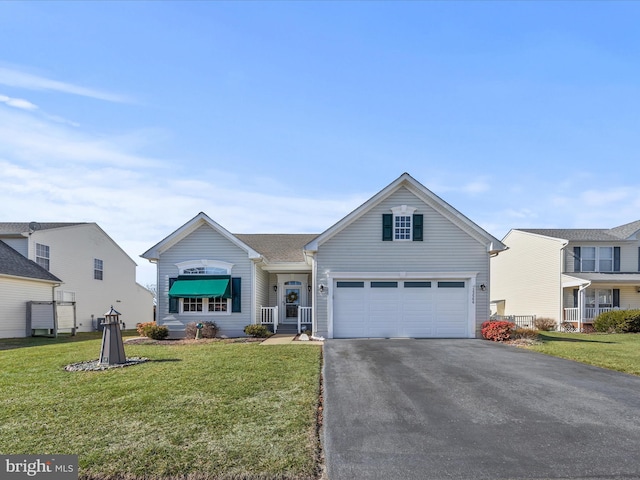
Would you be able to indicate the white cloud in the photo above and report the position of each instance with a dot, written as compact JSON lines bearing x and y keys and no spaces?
{"x":18,"y":103}
{"x":37,"y":140}
{"x":13,"y":77}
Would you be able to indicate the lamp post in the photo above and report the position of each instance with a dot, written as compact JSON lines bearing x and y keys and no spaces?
{"x":112,"y":349}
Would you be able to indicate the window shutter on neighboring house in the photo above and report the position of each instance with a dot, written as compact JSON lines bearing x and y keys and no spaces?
{"x":575,"y":298}
{"x":616,"y":298}
{"x":236,"y":291}
{"x":616,"y":259}
{"x":174,"y":302}
{"x":576,"y":259}
{"x":387,"y":227}
{"x":417,"y":227}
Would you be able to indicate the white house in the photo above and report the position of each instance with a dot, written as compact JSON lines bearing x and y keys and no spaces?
{"x":570,"y":275}
{"x":94,"y":271}
{"x":403,"y":264}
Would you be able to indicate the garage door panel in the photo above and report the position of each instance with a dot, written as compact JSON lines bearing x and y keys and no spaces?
{"x":418,"y":312}
{"x":349,"y":305}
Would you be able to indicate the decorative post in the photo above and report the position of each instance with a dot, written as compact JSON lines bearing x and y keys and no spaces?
{"x":112,"y":349}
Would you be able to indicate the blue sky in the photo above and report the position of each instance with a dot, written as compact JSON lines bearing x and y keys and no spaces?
{"x":285,"y":116}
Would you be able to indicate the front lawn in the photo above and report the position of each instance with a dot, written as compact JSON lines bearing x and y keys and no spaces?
{"x":205,"y":410}
{"x":613,"y":351}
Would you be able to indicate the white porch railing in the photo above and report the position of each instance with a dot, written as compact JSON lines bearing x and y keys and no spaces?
{"x":590,"y":313}
{"x":269,"y":316}
{"x":305,"y":316}
{"x":65,"y":296}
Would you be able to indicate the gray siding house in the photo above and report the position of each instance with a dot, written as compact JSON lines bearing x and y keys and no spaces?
{"x":403,"y":264}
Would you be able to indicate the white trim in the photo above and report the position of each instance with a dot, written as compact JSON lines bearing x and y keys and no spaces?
{"x":185,"y":230}
{"x":431,"y":199}
{"x":332,"y":277}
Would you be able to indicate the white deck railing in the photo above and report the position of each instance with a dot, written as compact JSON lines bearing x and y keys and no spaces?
{"x":304,"y":316}
{"x":590,"y":313}
{"x":269,"y":316}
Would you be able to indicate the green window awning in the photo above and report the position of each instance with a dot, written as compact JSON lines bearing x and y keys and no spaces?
{"x":201,"y":286}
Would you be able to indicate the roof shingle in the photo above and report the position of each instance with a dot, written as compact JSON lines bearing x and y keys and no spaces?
{"x":278,"y":247}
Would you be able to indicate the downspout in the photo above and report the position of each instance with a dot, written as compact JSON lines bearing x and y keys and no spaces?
{"x":563,"y":260}
{"x":581,"y":290}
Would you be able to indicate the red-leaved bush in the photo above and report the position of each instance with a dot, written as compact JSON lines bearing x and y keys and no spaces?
{"x":498,"y":331}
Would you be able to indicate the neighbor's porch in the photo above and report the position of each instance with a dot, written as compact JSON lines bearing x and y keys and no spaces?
{"x":582,"y":305}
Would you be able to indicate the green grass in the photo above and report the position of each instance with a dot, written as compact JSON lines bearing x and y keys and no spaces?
{"x":207,"y":410}
{"x":619,"y":352}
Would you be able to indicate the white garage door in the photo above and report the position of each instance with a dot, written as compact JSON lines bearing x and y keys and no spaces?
{"x":402,"y":308}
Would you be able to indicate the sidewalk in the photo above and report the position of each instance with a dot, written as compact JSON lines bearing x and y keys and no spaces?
{"x":284,"y":339}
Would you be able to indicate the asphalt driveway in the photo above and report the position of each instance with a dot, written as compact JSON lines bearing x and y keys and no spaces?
{"x":472,"y":409}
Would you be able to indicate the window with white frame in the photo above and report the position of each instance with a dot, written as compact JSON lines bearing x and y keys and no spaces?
{"x":204,"y":267}
{"x":402,"y":222}
{"x":98,"y":269}
{"x":402,"y":227}
{"x":192,"y":304}
{"x":605,"y":259}
{"x":218,"y":304}
{"x":205,"y":305}
{"x":42,"y":255}
{"x":596,"y":259}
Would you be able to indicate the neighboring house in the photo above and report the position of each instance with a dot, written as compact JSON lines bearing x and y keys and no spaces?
{"x":94,"y":271}
{"x":21,"y":281}
{"x":570,"y":275}
{"x":403,"y":264}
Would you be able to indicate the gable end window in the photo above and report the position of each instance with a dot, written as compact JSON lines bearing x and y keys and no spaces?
{"x":98,"y":269}
{"x":42,"y":255}
{"x":402,"y":225}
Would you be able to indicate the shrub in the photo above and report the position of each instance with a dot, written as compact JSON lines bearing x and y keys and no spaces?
{"x":524,"y":333}
{"x":258,"y":331}
{"x":208,"y":330}
{"x":497,"y":331}
{"x":618,"y":321}
{"x":545,"y":324}
{"x":140,"y":328}
{"x":155,"y":332}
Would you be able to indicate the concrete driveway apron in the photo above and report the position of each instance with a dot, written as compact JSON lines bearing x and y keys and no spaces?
{"x":472,"y":409}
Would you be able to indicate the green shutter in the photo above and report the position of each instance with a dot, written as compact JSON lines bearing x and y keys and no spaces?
{"x":173,"y":301}
{"x":616,"y":259}
{"x":387,"y":227}
{"x":417,"y":227}
{"x":236,"y":291}
{"x":576,"y":259}
{"x":616,"y":298}
{"x":575,"y":298}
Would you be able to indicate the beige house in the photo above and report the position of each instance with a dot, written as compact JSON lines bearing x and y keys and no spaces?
{"x":570,"y":275}
{"x":94,"y":271}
